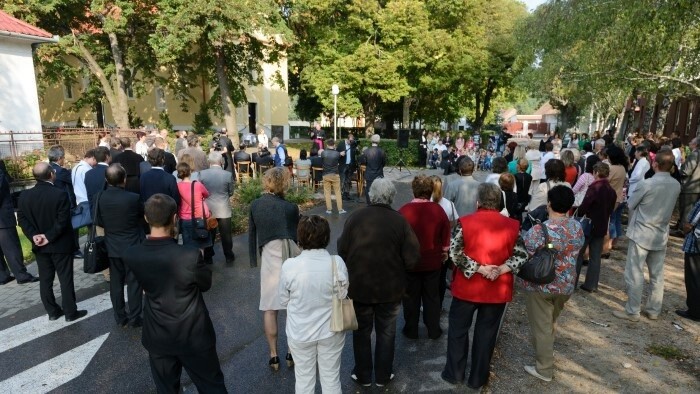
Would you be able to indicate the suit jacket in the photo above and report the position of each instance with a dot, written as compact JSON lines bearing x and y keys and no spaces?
{"x":691,"y":170}
{"x":241,"y":155}
{"x":463,"y":193}
{"x":170,"y":163}
{"x":45,"y":209}
{"x":219,"y":184}
{"x":131,"y":161}
{"x":175,"y":319}
{"x":350,"y":150}
{"x":120,"y":212}
{"x":113,"y":153}
{"x":63,"y":181}
{"x":375,"y":159}
{"x":157,"y":181}
{"x":378,"y":247}
{"x":651,"y":207}
{"x":7,"y":209}
{"x":95,"y":182}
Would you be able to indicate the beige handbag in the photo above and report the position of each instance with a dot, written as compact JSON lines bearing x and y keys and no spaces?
{"x":343,"y":312}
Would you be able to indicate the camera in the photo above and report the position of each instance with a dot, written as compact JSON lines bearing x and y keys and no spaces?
{"x":216,"y":143}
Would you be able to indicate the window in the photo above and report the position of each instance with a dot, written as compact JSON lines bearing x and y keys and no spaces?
{"x":67,"y":90}
{"x":161,"y":104}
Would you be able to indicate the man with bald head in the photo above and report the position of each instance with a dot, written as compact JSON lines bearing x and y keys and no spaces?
{"x":120,"y":212}
{"x":45,"y":218}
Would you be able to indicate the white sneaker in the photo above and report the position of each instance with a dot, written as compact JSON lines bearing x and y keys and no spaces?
{"x":625,"y":316}
{"x":342,"y":211}
{"x":329,"y":212}
{"x":532,"y":370}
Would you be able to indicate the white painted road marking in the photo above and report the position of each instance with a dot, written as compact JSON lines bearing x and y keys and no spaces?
{"x":54,"y":372}
{"x":40,"y":326}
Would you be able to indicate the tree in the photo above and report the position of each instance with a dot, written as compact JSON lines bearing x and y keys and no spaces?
{"x":221,"y":43}
{"x":103,"y":42}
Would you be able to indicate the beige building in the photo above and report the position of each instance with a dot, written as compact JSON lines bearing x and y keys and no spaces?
{"x":267,"y":106}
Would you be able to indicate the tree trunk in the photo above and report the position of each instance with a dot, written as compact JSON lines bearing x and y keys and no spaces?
{"x":663,"y":113}
{"x":590,"y":119}
{"x":483,"y":106}
{"x":227,"y":107}
{"x":406,"y":119}
{"x":120,"y":104}
{"x":369,"y":108}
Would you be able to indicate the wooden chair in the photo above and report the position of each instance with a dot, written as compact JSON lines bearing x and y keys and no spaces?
{"x":243,"y":170}
{"x":316,"y":174}
{"x":261,"y":168}
{"x":361,"y":180}
{"x":301,"y":178}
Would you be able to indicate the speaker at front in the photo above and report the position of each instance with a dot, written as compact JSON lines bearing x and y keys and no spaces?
{"x":402,"y":140}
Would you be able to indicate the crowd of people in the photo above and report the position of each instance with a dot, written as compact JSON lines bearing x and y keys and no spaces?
{"x":457,"y":232}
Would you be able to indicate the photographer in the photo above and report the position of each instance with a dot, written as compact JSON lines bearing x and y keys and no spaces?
{"x":222,"y":144}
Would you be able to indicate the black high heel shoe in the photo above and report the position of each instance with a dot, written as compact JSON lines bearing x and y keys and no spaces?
{"x":275,"y":363}
{"x":290,"y":360}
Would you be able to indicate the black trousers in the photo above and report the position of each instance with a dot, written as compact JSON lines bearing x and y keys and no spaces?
{"x":382,"y":319}
{"x":488,"y":319}
{"x":120,"y":274}
{"x":422,"y":288}
{"x":11,"y":254}
{"x":224,"y":228}
{"x":203,"y":368}
{"x":692,"y":284}
{"x":51,"y":264}
{"x":346,"y":171}
{"x":446,"y":267}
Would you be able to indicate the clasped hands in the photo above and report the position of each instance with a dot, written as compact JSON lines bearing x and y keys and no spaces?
{"x":40,"y":240}
{"x":492,"y":272}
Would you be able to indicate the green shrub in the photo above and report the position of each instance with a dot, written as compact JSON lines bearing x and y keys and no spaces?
{"x":393,"y":153}
{"x":299,"y":196}
{"x":249,"y":191}
{"x":239,"y":218}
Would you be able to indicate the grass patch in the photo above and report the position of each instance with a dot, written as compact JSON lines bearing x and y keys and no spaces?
{"x":27,"y":254}
{"x":667,"y":352}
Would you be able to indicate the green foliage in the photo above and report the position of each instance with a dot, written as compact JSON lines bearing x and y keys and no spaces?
{"x":239,"y":218}
{"x":21,"y":167}
{"x":164,"y":121}
{"x":247,"y":192}
{"x":202,"y":121}
{"x":299,"y":196}
{"x":668,"y":352}
{"x":393,"y":153}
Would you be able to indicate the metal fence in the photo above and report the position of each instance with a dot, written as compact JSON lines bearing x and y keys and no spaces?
{"x":21,"y":150}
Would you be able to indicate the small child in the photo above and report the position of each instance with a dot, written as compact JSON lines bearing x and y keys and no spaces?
{"x":434,"y":159}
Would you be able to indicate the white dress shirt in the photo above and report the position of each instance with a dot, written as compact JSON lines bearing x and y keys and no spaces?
{"x":306,"y":289}
{"x":78,"y":179}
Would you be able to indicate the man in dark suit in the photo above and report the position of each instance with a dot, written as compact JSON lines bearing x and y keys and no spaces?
{"x":130,"y":160}
{"x":156,"y":180}
{"x":95,"y":178}
{"x":44,"y":215}
{"x":57,"y":157}
{"x":242,"y":156}
{"x":219,"y":183}
{"x":169,"y":161}
{"x":120,"y":213}
{"x":10,"y":247}
{"x":227,"y":149}
{"x":347,"y":164}
{"x":177,"y":330}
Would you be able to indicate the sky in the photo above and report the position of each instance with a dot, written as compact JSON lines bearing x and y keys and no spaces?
{"x":532,"y":4}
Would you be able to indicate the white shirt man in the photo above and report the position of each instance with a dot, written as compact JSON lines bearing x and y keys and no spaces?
{"x":78,"y":176}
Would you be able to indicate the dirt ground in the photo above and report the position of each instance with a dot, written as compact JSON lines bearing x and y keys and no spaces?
{"x":643,"y":357}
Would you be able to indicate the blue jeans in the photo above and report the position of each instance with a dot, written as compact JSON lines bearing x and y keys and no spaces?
{"x":616,"y":221}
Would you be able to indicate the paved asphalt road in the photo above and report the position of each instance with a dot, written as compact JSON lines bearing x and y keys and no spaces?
{"x":120,"y":364}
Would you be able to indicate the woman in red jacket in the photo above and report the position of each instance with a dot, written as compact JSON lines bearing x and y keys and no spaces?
{"x":432,"y":227}
{"x":483,"y":245}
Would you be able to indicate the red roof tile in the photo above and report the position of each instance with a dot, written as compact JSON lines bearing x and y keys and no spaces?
{"x":14,"y":25}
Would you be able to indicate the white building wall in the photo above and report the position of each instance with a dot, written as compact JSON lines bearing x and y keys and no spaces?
{"x":19,"y":102}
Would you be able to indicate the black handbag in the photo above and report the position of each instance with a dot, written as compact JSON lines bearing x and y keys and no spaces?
{"x":541,"y":267}
{"x":199,"y":226}
{"x":95,"y":257}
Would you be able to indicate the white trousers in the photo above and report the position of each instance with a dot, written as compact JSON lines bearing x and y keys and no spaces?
{"x":637,"y":257}
{"x":326,"y":355}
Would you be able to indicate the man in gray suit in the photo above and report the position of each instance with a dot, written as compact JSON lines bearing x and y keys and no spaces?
{"x":463,"y":192}
{"x":651,"y":207}
{"x":219,"y":183}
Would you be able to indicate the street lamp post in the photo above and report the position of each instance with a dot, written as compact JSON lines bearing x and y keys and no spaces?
{"x":335,"y":90}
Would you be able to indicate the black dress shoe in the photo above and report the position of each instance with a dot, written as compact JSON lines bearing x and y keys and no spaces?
{"x":56,"y":316}
{"x":584,"y":263}
{"x":686,"y":315}
{"x":136,"y":323}
{"x":123,"y":322}
{"x":7,"y":280}
{"x":587,"y":289}
{"x":77,"y":315}
{"x":31,"y":279}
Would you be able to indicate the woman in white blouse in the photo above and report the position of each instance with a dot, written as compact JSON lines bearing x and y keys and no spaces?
{"x":555,"y":172}
{"x":306,"y":288}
